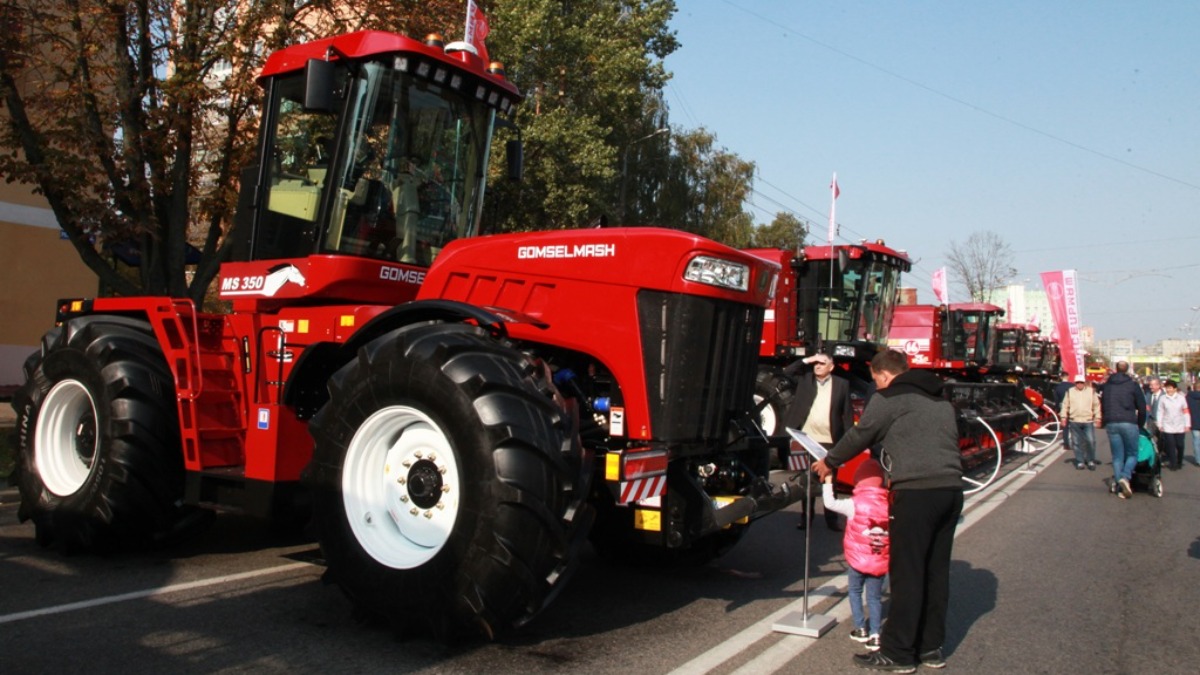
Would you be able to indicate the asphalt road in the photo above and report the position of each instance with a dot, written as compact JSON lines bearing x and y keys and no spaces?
{"x":1051,"y":574}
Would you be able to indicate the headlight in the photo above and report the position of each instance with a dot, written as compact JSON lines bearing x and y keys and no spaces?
{"x":717,"y":272}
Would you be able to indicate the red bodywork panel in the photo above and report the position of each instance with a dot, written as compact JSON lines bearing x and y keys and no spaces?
{"x":368,"y":43}
{"x":779,"y":324}
{"x":577,"y":289}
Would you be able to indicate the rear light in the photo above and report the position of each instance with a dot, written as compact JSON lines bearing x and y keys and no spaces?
{"x":635,"y":463}
{"x":638,"y":475}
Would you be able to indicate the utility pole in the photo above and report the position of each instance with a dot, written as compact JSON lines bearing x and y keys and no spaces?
{"x":625,"y":167}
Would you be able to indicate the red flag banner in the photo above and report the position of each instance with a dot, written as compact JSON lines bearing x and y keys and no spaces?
{"x":477,"y":30}
{"x":1062,"y":294}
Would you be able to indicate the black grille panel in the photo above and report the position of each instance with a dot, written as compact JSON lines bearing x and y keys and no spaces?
{"x":701,"y":357}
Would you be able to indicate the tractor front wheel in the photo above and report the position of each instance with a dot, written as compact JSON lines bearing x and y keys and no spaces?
{"x":448,"y":489}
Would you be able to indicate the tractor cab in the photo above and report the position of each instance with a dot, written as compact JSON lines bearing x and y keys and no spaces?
{"x":847,"y":295}
{"x":374,"y":145}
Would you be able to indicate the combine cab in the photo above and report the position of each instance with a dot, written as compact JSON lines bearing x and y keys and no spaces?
{"x":838,"y":300}
{"x":456,"y":410}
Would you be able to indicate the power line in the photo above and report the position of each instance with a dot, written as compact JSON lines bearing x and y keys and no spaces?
{"x":959,"y":101}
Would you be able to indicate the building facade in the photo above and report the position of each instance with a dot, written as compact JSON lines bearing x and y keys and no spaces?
{"x":37,"y":268}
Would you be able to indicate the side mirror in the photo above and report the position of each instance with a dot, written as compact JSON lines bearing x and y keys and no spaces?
{"x":514,"y":153}
{"x":318,"y":85}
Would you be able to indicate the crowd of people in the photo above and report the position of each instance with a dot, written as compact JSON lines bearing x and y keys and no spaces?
{"x":906,"y":499}
{"x":1129,"y":410}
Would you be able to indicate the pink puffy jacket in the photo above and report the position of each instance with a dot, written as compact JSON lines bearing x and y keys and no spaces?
{"x":866,"y":541}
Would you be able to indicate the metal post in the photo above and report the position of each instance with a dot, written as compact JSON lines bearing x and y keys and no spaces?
{"x":803,"y":623}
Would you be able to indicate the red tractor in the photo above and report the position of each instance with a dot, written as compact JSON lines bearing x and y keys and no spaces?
{"x":441,"y":401}
{"x":838,"y":300}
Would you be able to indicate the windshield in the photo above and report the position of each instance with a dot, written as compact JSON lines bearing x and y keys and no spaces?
{"x":1008,"y":343}
{"x":859,"y":304}
{"x":969,"y":335}
{"x":397,"y":179}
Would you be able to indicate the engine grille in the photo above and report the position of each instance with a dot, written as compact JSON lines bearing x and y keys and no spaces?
{"x":700,"y":357}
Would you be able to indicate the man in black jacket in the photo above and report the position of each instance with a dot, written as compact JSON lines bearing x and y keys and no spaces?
{"x":1123,"y":409}
{"x":821,"y":405}
{"x":919,"y":433}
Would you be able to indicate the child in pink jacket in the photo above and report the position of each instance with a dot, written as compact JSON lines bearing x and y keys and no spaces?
{"x":866,"y":546}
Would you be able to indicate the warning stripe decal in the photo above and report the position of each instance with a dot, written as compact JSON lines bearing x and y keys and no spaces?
{"x":642,"y":488}
{"x":798,"y":462}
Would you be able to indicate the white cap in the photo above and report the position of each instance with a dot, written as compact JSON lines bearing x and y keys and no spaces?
{"x":1080,"y":378}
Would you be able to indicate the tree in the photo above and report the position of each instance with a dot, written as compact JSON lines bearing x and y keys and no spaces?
{"x":134,"y":119}
{"x":785,"y":231}
{"x":592,"y":74}
{"x":981,"y":264}
{"x":705,"y":189}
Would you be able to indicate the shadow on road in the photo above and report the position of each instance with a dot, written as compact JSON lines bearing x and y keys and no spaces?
{"x":973,"y":594}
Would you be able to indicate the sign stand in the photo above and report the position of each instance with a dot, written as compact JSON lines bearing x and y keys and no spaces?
{"x":803,"y":623}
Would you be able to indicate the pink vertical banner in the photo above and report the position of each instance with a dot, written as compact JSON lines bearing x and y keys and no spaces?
{"x":940,"y":291}
{"x":1063,"y":295}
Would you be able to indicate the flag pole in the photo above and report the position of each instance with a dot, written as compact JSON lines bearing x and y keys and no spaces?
{"x":834,"y":192}
{"x":469,"y":28}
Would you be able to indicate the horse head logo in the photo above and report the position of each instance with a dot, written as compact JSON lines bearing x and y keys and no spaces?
{"x":281,"y":274}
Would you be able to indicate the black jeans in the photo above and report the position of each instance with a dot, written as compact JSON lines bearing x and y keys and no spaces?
{"x":922,"y":536}
{"x":1173,"y":446}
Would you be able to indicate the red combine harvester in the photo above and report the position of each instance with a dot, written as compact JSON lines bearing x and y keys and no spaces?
{"x":995,"y":410}
{"x":440,"y":401}
{"x":1023,"y":355}
{"x":838,"y":300}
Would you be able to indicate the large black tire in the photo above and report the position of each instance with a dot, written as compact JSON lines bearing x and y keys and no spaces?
{"x":777,"y":389}
{"x":449,"y":486}
{"x":99,"y":462}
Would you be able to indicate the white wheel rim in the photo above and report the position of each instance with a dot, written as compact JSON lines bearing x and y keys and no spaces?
{"x":64,"y":449}
{"x":401,"y":487}
{"x":766,"y":417}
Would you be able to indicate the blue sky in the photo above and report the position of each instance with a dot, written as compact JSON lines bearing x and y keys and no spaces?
{"x":1071,"y":129}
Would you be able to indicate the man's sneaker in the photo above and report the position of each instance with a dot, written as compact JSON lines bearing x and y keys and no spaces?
{"x":877,"y":661}
{"x":1079,"y":466}
{"x":873,"y":643}
{"x":859,"y":635}
{"x":1091,"y":466}
{"x":933,"y":659}
{"x":1126,"y":491}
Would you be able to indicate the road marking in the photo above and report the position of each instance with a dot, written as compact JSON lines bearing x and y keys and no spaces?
{"x":781,"y":653}
{"x":150,"y":592}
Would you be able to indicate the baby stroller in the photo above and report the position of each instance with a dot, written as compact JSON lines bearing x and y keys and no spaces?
{"x":1148,"y":472}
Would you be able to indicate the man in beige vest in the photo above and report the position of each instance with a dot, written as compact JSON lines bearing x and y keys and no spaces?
{"x":1081,"y":414}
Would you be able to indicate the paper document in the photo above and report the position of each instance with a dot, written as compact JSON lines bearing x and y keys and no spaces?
{"x":814,"y":448}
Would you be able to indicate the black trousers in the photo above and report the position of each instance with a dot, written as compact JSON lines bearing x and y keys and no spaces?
{"x":922,"y":536}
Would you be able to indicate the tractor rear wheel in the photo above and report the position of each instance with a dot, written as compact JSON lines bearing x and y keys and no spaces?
{"x":99,"y":462}
{"x":449,"y":486}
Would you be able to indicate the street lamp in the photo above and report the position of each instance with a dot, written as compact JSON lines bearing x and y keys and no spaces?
{"x":625,"y":164}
